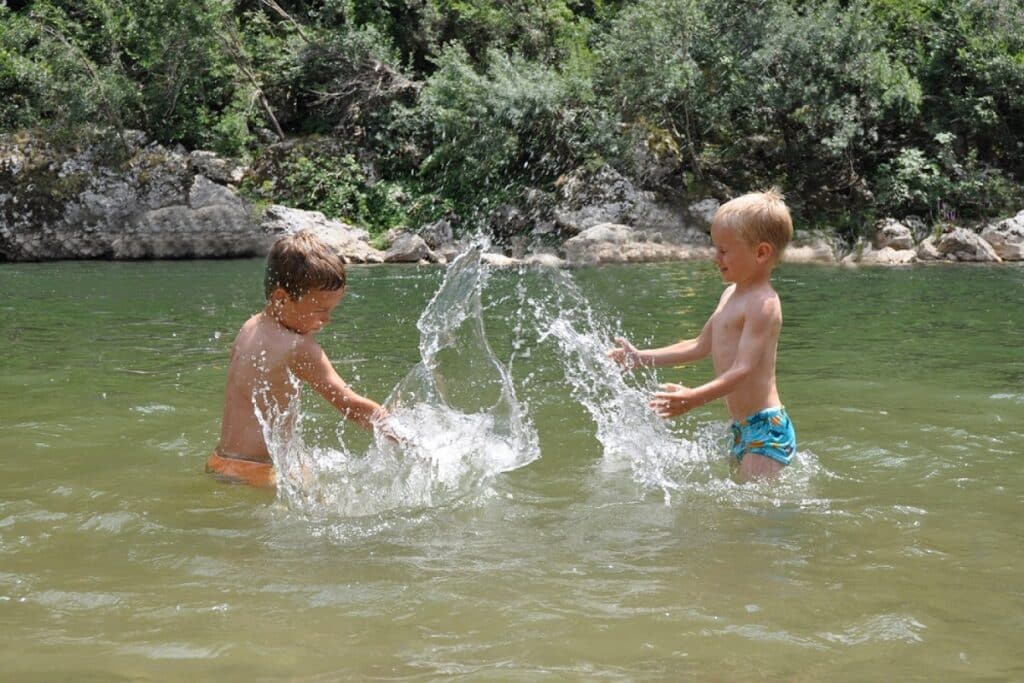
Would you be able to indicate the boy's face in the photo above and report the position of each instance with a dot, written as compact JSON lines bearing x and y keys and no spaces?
{"x":736,"y":258}
{"x":309,"y":313}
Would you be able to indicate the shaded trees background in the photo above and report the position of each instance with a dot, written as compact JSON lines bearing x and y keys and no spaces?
{"x":396,"y":112}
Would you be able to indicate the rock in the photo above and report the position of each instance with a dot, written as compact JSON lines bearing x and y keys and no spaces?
{"x":614,"y":243}
{"x":703,"y":212}
{"x":1007,"y":238}
{"x":409,"y":248}
{"x":587,"y":199}
{"x":215,"y":168}
{"x":918,"y":228}
{"x":960,"y":244}
{"x":544,"y":260}
{"x":887,"y":256}
{"x":811,"y":248}
{"x":351,"y":242}
{"x":928,"y":251}
{"x":205,"y":193}
{"x":891,"y":233}
{"x":499,"y":260}
{"x":143,"y":202}
{"x":437,"y":234}
{"x":214,"y":231}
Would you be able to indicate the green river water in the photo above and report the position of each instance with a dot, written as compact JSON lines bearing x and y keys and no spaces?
{"x":890,"y":551}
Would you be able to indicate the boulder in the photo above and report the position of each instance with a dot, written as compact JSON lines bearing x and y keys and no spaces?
{"x":960,"y":244}
{"x":409,"y":248}
{"x":215,"y":168}
{"x":352,"y":243}
{"x":1007,"y":238}
{"x":891,"y":233}
{"x":544,"y":260}
{"x":615,"y":243}
{"x":140,"y":202}
{"x":437,"y":234}
{"x":928,"y":251}
{"x":811,"y":248}
{"x":703,"y":212}
{"x":887,"y":256}
{"x":496,"y":260}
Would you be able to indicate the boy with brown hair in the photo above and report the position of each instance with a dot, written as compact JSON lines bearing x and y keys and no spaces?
{"x":741,"y":336}
{"x":305,"y":280}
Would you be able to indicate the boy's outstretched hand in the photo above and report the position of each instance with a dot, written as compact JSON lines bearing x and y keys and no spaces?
{"x":673,"y":400}
{"x":626,"y":355}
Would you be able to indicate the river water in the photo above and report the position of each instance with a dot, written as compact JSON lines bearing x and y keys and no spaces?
{"x":543,"y":526}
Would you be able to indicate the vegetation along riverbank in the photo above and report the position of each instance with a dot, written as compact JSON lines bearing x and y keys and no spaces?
{"x":571,"y":131}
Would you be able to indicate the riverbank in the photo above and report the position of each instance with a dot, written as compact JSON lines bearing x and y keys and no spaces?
{"x":158,"y":203}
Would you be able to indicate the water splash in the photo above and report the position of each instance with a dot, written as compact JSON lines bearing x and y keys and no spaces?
{"x":630,"y":433}
{"x":461,"y":418}
{"x":454,"y":423}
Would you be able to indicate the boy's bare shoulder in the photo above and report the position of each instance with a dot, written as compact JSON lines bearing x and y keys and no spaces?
{"x":764,"y":301}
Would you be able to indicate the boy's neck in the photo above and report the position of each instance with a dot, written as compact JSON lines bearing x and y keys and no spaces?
{"x":760,"y":278}
{"x":273,"y":313}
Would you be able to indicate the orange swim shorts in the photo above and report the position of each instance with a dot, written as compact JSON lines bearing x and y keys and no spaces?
{"x":239,"y":470}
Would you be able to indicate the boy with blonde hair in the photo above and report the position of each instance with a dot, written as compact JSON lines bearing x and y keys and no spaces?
{"x":741,"y":336}
{"x":305,"y":280}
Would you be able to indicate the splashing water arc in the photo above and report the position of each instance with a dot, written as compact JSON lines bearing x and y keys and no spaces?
{"x":461,"y":418}
{"x":455,"y":414}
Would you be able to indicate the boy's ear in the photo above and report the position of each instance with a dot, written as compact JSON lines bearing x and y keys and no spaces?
{"x":764,"y":252}
{"x":279,"y":296}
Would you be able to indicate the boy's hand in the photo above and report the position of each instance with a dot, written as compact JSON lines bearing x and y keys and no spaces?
{"x":626,"y":355}
{"x":673,"y":400}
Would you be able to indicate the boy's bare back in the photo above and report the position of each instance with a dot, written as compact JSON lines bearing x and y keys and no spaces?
{"x":259,"y":378}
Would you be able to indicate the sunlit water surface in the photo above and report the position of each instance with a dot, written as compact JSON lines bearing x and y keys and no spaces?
{"x":539,"y":524}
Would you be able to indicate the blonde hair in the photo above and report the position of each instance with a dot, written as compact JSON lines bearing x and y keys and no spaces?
{"x":300,"y":262}
{"x":758,"y":217}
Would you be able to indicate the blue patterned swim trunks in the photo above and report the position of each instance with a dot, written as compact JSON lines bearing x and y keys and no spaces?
{"x":768,"y":433}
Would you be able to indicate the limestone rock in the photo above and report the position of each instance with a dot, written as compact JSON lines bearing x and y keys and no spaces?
{"x":437,"y":234}
{"x":409,"y":248}
{"x":891,"y":233}
{"x":352,"y":243}
{"x":928,"y":251}
{"x":704,"y":211}
{"x":811,"y":248}
{"x":887,"y":256}
{"x":615,"y":243}
{"x":1007,"y":238}
{"x":960,"y":244}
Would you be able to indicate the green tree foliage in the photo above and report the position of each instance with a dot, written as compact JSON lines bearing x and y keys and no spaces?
{"x":512,"y":124}
{"x":854,"y":107}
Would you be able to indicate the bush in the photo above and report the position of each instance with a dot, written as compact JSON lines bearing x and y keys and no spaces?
{"x":322,"y":176}
{"x":516,"y":123}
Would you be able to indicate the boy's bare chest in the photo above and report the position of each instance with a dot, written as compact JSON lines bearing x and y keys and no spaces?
{"x":727,"y":323}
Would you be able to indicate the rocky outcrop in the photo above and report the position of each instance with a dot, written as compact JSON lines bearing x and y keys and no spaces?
{"x":893,"y":243}
{"x":810,"y":248}
{"x":141,"y":200}
{"x":148,"y":202}
{"x":585,"y":199}
{"x":615,"y":243}
{"x":1007,"y":238}
{"x":353,"y":243}
{"x":890,"y":233}
{"x":960,"y":244}
{"x":409,"y":248}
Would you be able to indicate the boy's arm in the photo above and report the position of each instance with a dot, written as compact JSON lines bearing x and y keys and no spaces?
{"x":760,"y":332}
{"x":685,"y":351}
{"x":311,"y":365}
